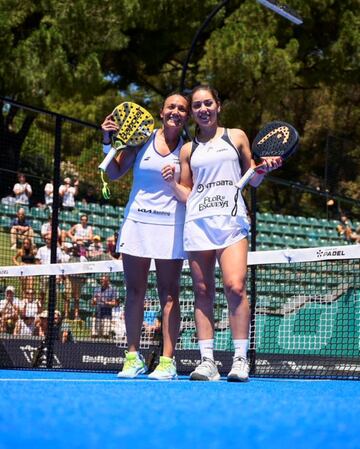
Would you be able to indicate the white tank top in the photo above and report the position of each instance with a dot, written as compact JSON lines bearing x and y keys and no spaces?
{"x":215,"y":168}
{"x":152,"y":200}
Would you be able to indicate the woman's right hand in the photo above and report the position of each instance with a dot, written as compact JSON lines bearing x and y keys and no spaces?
{"x":167,"y":173}
{"x":109,"y":126}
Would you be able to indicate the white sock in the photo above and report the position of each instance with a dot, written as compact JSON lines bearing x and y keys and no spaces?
{"x":241,"y":348}
{"x":207,"y":348}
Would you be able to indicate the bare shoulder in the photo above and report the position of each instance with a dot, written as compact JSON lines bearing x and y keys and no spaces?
{"x":238,"y":136}
{"x":185,"y":150}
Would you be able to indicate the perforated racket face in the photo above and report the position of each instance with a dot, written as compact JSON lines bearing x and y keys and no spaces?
{"x":276,"y":139}
{"x":136,"y":124}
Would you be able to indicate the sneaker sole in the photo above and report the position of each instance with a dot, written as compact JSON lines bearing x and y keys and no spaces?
{"x":234,"y":378}
{"x":163,"y":378}
{"x":120,"y":376}
{"x":197,"y":376}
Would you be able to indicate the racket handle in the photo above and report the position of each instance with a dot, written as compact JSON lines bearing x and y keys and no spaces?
{"x":248,"y":176}
{"x":109,"y":157}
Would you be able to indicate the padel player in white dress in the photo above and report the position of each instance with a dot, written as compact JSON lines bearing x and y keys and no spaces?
{"x":210,"y":166}
{"x":152,"y":229}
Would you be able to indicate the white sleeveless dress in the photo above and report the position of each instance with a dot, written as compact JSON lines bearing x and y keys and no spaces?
{"x":210,"y":221}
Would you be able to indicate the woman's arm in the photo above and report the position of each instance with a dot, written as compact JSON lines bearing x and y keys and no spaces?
{"x":239,"y":138}
{"x":183,"y":188}
{"x":16,"y":257}
{"x":125,"y":159}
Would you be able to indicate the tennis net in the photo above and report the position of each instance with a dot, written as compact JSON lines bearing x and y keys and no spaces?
{"x":305,"y":307}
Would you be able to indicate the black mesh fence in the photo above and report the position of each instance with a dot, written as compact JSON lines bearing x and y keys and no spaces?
{"x":52,"y":211}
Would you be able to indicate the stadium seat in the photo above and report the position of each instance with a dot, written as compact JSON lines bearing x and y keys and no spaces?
{"x":5,"y":222}
{"x":8,"y":209}
{"x":95,"y":207}
{"x":109,"y":210}
{"x":36,"y":225}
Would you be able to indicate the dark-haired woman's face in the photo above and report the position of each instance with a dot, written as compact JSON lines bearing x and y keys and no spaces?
{"x":175,"y":111}
{"x":204,"y":108}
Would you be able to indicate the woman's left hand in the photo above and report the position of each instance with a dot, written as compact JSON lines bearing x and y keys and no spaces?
{"x":271,"y":163}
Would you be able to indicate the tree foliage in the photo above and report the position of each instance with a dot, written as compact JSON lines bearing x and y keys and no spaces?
{"x":82,"y":57}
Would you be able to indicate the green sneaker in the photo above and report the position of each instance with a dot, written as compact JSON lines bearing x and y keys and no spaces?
{"x":166,"y":370}
{"x":133,"y":366}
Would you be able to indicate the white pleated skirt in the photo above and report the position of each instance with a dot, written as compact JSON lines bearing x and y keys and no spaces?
{"x":154,"y":241}
{"x":214,"y":232}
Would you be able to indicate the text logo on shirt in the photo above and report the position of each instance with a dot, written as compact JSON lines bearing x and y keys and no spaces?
{"x":219,"y":201}
{"x":224,"y":182}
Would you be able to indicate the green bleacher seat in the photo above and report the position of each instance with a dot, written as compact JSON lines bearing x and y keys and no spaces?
{"x":109,"y":209}
{"x":95,"y":207}
{"x":96,"y":220}
{"x":40,"y":213}
{"x":290,"y":219}
{"x":106,"y":232}
{"x":36,"y":225}
{"x":265,"y":216}
{"x":5,"y":222}
{"x":279,"y":218}
{"x":8,"y":209}
{"x":312,"y":221}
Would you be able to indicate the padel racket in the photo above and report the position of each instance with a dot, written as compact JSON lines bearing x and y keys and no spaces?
{"x":275,"y":139}
{"x":136,"y":125}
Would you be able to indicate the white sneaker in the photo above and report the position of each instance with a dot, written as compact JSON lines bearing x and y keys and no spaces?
{"x":133,"y":366}
{"x":207,"y":370}
{"x":166,"y":370}
{"x":239,"y":370}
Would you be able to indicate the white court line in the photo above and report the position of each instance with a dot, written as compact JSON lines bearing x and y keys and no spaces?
{"x":68,"y":380}
{"x":152,"y":381}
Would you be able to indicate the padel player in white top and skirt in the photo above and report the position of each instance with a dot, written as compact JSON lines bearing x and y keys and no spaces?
{"x":210,"y":166}
{"x":152,"y":229}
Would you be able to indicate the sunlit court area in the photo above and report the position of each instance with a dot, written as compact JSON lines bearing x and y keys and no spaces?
{"x":180,"y":224}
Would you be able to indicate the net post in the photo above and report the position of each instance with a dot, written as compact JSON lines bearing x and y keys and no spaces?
{"x":252,"y":351}
{"x":50,"y":337}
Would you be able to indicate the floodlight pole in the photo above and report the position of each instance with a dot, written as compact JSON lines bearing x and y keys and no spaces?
{"x":195,"y":39}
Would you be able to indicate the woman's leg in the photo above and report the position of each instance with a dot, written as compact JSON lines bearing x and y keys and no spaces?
{"x":136,"y":271}
{"x":168,"y":284}
{"x":202,"y":265}
{"x":233,"y":263}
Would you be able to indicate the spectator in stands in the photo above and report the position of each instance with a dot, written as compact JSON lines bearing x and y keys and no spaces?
{"x":61,"y":331}
{"x":346,"y":230}
{"x":9,"y":310}
{"x":118,"y":324}
{"x":152,"y":321}
{"x":81,"y":231}
{"x":46,"y":229}
{"x":111,"y":246}
{"x":96,"y":249}
{"x":106,"y":297}
{"x":22,"y":190}
{"x":49,"y":194}
{"x":44,"y":252}
{"x":26,"y":256}
{"x":68,"y":193}
{"x":25,"y":325}
{"x":20,"y":229}
{"x":43,"y":256}
{"x":90,"y":196}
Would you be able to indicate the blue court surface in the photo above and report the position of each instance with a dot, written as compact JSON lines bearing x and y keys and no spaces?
{"x":90,"y":410}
